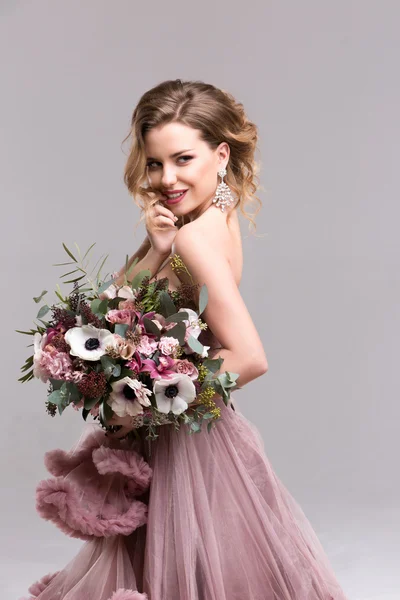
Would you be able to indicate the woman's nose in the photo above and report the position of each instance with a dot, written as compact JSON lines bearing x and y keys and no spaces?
{"x":168,"y":177}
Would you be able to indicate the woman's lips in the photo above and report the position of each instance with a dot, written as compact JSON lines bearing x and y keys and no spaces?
{"x":175,"y":200}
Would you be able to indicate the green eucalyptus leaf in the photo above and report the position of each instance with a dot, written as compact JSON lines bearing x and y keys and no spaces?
{"x":56,"y":383}
{"x":103,"y":306}
{"x":194,"y":426}
{"x":105,"y":285}
{"x":203,"y":298}
{"x":177,"y":332}
{"x":94,"y":305}
{"x":208,"y":415}
{"x":177,"y":317}
{"x":38,"y":298}
{"x":108,"y":365}
{"x":73,"y":392}
{"x":213,"y":364}
{"x":151,"y":327}
{"x":167,"y":307}
{"x":43,"y":311}
{"x":195,"y":345}
{"x":121,"y":329}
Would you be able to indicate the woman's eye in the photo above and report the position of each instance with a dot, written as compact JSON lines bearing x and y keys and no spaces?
{"x":150,"y":164}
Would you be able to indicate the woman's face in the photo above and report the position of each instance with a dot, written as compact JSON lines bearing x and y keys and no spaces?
{"x":177,"y":160}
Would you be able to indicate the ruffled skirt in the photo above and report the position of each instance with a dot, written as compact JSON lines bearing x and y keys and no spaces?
{"x":184,"y":517}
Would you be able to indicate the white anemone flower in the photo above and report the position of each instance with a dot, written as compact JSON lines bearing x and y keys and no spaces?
{"x":128,"y":397}
{"x":175,"y":393}
{"x":88,"y":342}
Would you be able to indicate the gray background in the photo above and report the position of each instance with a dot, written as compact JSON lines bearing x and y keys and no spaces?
{"x":320,"y":79}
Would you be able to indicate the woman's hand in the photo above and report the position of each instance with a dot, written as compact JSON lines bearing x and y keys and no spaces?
{"x":161,"y":240}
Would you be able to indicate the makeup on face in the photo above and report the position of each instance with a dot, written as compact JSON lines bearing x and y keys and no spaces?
{"x":175,"y":169}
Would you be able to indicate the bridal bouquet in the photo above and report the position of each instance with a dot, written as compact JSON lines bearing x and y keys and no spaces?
{"x":129,"y":350}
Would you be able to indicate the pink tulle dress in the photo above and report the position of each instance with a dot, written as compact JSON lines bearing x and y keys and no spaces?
{"x":184,"y":517}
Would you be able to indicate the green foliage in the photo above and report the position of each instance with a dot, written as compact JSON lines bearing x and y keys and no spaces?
{"x":213,"y":364}
{"x":167,"y":307}
{"x":43,"y":311}
{"x":137,"y":280}
{"x":203,"y":298}
{"x":177,"y":332}
{"x":38,"y":298}
{"x":179,"y":316}
{"x":121,"y":329}
{"x":151,"y":327}
{"x":105,"y":412}
{"x":108,"y":365}
{"x":195,"y":345}
{"x":64,"y":392}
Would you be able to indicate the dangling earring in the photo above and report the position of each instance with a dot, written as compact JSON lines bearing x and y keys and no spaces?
{"x":223,"y":195}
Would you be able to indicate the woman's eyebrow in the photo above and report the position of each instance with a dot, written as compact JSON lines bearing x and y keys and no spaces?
{"x":173,"y":155}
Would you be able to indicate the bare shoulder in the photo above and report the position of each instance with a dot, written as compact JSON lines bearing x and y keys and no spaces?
{"x":210,"y":231}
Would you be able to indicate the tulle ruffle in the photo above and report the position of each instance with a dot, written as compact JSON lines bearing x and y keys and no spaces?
{"x":95,"y":488}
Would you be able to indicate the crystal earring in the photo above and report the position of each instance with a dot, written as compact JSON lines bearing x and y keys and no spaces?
{"x":223,"y":195}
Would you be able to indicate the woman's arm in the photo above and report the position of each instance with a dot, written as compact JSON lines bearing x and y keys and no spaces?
{"x":226,"y":313}
{"x":148,"y":259}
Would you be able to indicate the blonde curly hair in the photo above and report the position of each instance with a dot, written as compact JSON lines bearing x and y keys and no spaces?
{"x":217,"y":116}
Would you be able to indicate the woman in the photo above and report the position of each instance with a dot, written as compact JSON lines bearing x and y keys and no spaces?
{"x":220,"y":524}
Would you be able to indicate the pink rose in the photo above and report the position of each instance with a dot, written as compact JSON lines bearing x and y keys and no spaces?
{"x":185,"y":367}
{"x":119,"y":316}
{"x":168,"y":345}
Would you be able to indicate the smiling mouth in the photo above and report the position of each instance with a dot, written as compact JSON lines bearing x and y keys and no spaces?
{"x":174,"y":200}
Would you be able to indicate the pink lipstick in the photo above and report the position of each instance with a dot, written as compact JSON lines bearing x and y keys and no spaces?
{"x":175,"y":200}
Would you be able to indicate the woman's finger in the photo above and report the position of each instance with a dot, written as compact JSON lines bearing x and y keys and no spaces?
{"x":160,"y":209}
{"x":164,"y":221}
